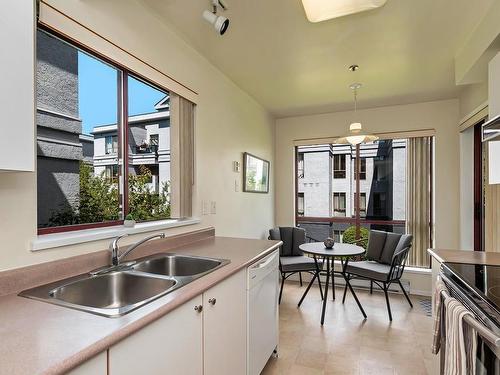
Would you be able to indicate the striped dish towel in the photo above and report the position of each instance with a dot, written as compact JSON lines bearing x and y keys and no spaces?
{"x":461,"y":340}
{"x":438,"y":314}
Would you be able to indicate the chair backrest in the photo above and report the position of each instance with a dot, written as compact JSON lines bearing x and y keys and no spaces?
{"x":382,"y":246}
{"x":292,"y":238}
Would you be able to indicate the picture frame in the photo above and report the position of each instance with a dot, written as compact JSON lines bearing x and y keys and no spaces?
{"x":255,"y":174}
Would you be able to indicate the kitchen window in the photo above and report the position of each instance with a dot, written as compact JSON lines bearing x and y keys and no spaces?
{"x":99,"y":131}
{"x":339,"y":166}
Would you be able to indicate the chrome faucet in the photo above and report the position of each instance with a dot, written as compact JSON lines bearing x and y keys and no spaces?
{"x":116,"y":257}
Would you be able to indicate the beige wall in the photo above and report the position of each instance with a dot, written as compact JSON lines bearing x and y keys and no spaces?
{"x":443,"y":116}
{"x":228,"y":122}
{"x":472,"y":96}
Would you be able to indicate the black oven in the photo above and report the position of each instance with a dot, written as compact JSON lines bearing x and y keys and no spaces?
{"x":476,"y":286}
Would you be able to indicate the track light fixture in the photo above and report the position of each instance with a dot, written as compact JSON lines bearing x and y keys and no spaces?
{"x":220,"y":23}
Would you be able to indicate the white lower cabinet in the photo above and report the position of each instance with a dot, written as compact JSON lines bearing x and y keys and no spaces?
{"x":210,"y":340}
{"x":95,"y":366}
{"x":170,"y":345}
{"x":224,"y":327}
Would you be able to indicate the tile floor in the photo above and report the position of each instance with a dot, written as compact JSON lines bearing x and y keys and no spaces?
{"x":347,"y":344}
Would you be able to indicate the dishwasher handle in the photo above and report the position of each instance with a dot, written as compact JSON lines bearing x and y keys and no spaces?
{"x":262,"y":268}
{"x":265,"y":262}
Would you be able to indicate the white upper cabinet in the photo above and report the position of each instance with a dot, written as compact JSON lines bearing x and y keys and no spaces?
{"x":17,"y":91}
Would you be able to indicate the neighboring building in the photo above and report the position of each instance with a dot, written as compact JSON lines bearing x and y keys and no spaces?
{"x":59,"y":149}
{"x":326,"y":184}
{"x":149,"y":146}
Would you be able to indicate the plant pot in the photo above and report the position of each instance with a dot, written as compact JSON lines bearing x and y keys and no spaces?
{"x":129,"y":223}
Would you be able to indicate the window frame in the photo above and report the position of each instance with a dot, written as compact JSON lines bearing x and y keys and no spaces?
{"x":123,"y":74}
{"x":341,"y":170}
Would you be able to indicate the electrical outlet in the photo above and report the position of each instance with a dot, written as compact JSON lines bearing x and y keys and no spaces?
{"x":213,"y":207}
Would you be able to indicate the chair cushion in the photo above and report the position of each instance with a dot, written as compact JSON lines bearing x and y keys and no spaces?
{"x":369,"y":269}
{"x":299,"y":238}
{"x":274,"y":234}
{"x":376,"y":243}
{"x":298,"y":263}
{"x":287,"y":238}
{"x":391,"y":241}
{"x":404,"y":242}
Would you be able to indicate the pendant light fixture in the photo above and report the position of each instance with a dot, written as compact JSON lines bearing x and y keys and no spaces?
{"x":356,"y":135}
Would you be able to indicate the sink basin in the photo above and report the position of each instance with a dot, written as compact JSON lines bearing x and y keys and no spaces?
{"x":110,"y":294}
{"x":113,"y":291}
{"x":178,"y":265}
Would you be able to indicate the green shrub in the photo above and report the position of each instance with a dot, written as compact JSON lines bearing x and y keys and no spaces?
{"x":350,"y":236}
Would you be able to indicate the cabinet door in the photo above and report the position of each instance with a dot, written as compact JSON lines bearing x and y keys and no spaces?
{"x":17,"y":97}
{"x":95,"y":366}
{"x":172,"y":344}
{"x":224,"y":327}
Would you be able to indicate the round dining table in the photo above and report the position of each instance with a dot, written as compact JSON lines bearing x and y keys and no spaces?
{"x":342,"y":251}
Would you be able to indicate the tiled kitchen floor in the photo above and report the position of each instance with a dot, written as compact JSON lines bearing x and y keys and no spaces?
{"x":347,"y":344}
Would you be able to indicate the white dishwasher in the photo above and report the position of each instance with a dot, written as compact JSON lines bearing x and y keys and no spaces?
{"x":262,"y":294}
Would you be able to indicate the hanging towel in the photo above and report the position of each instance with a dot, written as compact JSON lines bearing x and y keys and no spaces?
{"x":438,"y":314}
{"x":461,"y":340}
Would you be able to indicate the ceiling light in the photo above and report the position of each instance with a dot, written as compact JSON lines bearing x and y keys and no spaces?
{"x":220,"y":23}
{"x":356,"y":135}
{"x":321,"y":10}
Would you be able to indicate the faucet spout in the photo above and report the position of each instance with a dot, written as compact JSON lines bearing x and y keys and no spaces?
{"x":136,"y":245}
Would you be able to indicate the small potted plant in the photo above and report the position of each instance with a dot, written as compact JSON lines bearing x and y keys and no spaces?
{"x":129,"y":221}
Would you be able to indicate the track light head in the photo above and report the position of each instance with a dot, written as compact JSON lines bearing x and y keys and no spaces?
{"x":220,"y":23}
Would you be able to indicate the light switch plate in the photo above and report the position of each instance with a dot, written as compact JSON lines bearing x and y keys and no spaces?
{"x":236,"y":186}
{"x":213,"y":207}
{"x":204,"y":207}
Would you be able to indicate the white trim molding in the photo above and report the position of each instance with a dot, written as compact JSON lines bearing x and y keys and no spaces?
{"x":49,"y":241}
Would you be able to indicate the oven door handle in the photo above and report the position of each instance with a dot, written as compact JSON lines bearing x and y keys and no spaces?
{"x":479,"y":327}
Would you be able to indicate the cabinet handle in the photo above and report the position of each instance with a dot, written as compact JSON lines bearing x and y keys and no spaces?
{"x":198,"y":308}
{"x":212,"y":301}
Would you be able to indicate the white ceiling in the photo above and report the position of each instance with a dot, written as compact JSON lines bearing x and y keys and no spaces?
{"x":405,"y":50}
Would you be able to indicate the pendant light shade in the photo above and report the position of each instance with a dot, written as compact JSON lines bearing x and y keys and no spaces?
{"x":356,"y":135}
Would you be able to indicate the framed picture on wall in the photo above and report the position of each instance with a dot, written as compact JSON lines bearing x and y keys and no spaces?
{"x":255,"y":174}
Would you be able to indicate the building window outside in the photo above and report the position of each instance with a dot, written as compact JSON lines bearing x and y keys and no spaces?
{"x":77,"y":185}
{"x":111,"y":173}
{"x":300,"y":204}
{"x":111,"y":144}
{"x":338,"y":235}
{"x":362,"y":169}
{"x":362,"y":204}
{"x":339,"y":204}
{"x":300,"y":165}
{"x":339,"y":166}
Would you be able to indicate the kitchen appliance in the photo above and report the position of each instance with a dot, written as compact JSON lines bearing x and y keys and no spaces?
{"x":262,"y":294}
{"x":477,"y":287}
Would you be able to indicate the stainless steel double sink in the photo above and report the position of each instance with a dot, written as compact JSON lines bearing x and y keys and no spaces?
{"x":115,"y":291}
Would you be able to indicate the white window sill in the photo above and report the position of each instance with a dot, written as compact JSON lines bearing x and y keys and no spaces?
{"x":49,"y":241}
